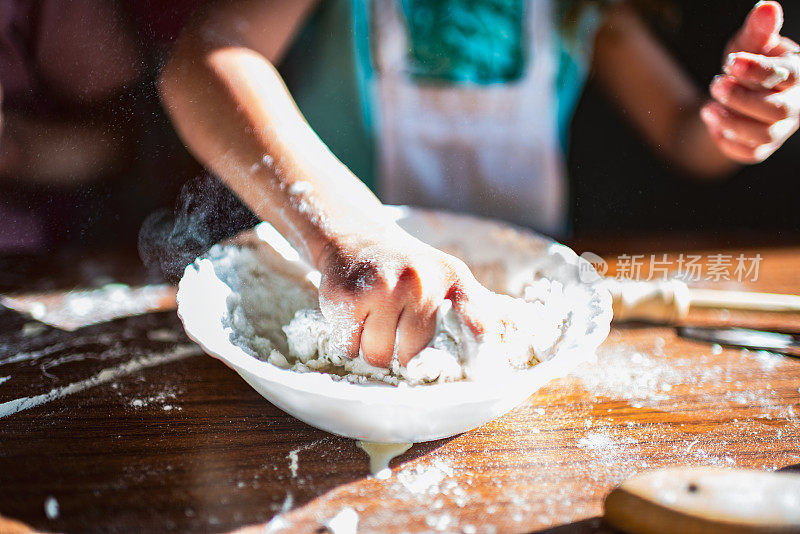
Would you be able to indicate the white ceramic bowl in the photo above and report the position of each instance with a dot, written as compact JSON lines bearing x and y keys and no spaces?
{"x":503,"y":257}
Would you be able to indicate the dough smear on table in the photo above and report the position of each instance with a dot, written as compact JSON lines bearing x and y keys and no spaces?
{"x":380,"y":454}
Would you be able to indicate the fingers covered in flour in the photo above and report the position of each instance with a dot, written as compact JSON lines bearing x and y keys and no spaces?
{"x":765,"y":105}
{"x":345,"y":318}
{"x":744,"y":138}
{"x":757,"y":70}
{"x":415,"y":330}
{"x":380,"y":331}
{"x":757,"y":99}
{"x":384,"y":288}
{"x":466,"y":302}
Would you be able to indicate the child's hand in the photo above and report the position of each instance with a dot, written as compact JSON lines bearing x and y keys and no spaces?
{"x":385,"y":285}
{"x":756,"y":105}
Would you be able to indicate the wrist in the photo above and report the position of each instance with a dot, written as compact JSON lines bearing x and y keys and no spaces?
{"x":357,"y":235}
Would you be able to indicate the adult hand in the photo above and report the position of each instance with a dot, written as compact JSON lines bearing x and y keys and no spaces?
{"x":756,"y":101}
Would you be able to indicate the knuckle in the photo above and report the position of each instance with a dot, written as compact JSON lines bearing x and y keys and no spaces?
{"x":752,"y":69}
{"x":409,"y":279}
{"x":456,"y":293}
{"x":782,"y":109}
{"x":362,"y":277}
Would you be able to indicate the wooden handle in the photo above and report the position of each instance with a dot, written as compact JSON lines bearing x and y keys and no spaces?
{"x":665,"y":301}
{"x":744,"y":300}
{"x":668,"y":301}
{"x":706,"y":499}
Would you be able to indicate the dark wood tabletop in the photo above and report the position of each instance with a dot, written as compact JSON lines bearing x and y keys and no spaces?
{"x":126,"y":426}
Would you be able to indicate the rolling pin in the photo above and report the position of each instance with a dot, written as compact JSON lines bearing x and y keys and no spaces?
{"x":669,"y":301}
{"x":706,"y":499}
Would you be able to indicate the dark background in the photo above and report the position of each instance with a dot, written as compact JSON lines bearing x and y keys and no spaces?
{"x":620,"y":187}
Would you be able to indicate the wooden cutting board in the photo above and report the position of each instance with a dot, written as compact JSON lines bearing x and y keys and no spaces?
{"x":706,"y":499}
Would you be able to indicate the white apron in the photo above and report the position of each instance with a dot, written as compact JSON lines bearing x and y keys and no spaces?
{"x":484,"y":149}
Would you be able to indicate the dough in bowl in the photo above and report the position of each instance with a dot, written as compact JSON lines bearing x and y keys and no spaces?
{"x":253,"y":303}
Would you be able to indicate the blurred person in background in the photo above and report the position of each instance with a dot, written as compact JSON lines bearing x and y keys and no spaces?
{"x":468,"y":104}
{"x":82,"y":148}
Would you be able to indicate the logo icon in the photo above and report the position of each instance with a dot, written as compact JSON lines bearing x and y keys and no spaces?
{"x":592,"y":269}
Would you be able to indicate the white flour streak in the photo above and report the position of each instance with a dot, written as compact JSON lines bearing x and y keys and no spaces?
{"x":293,"y":462}
{"x":33,"y":329}
{"x":104,"y":376}
{"x":288,"y":502}
{"x":51,"y":508}
{"x":81,"y":356}
{"x":4,"y":379}
{"x":25,"y":356}
{"x":294,"y":458}
{"x":52,"y":349}
{"x":164,"y":334}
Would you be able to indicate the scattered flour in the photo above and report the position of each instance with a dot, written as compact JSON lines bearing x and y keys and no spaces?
{"x":596,"y":440}
{"x":425,"y":479}
{"x":288,"y":502}
{"x":293,"y":461}
{"x":624,"y":373}
{"x":294,"y":455}
{"x":161,"y":399}
{"x":104,"y":376}
{"x":440,"y":522}
{"x":647,"y":378}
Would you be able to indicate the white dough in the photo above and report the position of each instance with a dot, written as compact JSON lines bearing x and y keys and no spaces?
{"x":275,"y":315}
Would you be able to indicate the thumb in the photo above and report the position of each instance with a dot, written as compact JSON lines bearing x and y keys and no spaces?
{"x":471,"y":303}
{"x":761,"y":30}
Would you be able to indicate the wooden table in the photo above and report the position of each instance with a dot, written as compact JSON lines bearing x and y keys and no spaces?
{"x":183,"y":444}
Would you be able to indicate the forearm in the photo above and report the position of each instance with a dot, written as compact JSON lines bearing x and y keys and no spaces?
{"x":234,"y":113}
{"x":692,"y":148}
{"x":656,"y":95}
